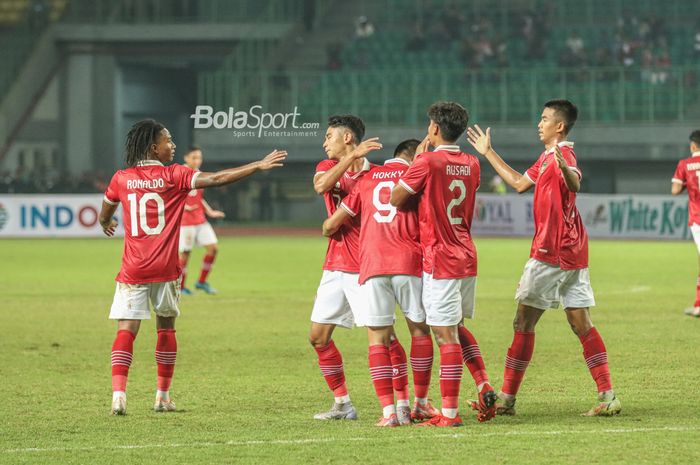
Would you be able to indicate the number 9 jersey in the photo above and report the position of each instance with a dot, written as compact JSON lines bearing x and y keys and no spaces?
{"x":153,"y":198}
{"x":389,"y":243}
{"x":446,"y":181}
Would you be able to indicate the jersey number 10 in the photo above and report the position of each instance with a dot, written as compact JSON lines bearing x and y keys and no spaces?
{"x":138,"y":210}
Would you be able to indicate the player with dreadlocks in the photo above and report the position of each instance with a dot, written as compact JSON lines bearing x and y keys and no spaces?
{"x":152,"y":196}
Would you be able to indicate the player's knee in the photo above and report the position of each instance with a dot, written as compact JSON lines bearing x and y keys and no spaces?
{"x":212,"y":249}
{"x":523,"y":325}
{"x":318,"y":340}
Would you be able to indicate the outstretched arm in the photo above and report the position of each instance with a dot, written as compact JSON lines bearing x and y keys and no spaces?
{"x":273,"y":160}
{"x":336,"y":220}
{"x":210,"y":212}
{"x":323,"y":182}
{"x":107,"y":221}
{"x":482,"y":143}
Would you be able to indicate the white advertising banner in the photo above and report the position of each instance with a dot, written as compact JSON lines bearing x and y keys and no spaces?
{"x":44,"y":215}
{"x":605,"y":216}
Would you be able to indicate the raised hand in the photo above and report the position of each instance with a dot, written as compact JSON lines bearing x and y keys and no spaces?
{"x":480,"y":141}
{"x":366,"y":147}
{"x":424,"y":146}
{"x":559,"y":157}
{"x":273,"y":159}
{"x":217,"y":214}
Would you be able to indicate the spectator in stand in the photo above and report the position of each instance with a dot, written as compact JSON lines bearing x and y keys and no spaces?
{"x":417,"y":41}
{"x":662,"y":65}
{"x":696,"y":43}
{"x":363,"y":28}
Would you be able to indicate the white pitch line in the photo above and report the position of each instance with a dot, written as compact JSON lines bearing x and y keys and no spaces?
{"x":262,"y":442}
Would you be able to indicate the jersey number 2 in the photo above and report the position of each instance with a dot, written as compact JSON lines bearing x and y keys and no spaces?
{"x":138,"y":214}
{"x":456,"y":183}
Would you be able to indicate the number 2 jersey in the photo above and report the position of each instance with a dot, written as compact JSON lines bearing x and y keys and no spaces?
{"x":446,"y":181}
{"x":389,"y":238}
{"x":153,"y":198}
{"x":343,"y":253}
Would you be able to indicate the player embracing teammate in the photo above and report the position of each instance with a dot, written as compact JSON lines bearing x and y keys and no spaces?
{"x":152,"y":196}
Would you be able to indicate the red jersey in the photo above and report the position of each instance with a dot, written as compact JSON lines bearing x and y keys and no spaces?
{"x":194,"y":210}
{"x":152,"y":198}
{"x":343,"y":252}
{"x":389,"y":241}
{"x":447,"y":180}
{"x":560,"y":237}
{"x":688,"y":174}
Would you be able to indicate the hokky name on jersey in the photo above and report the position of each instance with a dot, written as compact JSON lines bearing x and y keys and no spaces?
{"x":389,"y":237}
{"x":446,"y":180}
{"x":343,"y":253}
{"x":152,"y":198}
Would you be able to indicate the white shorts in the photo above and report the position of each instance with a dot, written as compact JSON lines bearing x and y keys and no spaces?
{"x":198,"y":235}
{"x":544,"y":286}
{"x":448,"y":301}
{"x":339,"y":300}
{"x":382,"y":293}
{"x":131,"y":300}
{"x":695,"y":230}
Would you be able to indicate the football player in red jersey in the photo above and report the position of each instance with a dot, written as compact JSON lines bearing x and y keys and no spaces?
{"x":557,"y":271}
{"x":196,"y":230}
{"x":687,"y":176}
{"x":390,"y":273}
{"x":152,"y":196}
{"x":445,"y":182}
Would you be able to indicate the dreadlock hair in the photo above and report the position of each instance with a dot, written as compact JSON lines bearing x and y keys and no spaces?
{"x":139,"y":140}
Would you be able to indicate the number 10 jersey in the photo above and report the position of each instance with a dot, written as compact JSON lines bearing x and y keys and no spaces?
{"x":153,"y":198}
{"x":446,"y":182}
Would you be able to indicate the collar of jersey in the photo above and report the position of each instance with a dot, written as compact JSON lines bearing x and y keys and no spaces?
{"x":149,"y":163}
{"x":397,"y":160}
{"x":447,"y":148}
{"x":365,"y":167}
{"x":696,"y":154}
{"x":564,"y":143}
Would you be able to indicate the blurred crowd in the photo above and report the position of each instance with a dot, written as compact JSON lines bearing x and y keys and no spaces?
{"x":38,"y":181}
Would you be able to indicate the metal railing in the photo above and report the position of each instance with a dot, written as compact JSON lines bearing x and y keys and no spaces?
{"x":615,"y":94}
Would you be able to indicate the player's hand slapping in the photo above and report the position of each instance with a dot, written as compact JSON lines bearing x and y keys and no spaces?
{"x":111,"y":228}
{"x":559,"y":157}
{"x":366,"y":147}
{"x":480,"y":140}
{"x":273,"y":159}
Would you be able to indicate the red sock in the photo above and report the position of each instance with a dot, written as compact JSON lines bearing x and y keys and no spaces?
{"x":421,"y":364}
{"x":517,"y":360}
{"x":381,"y":372}
{"x":331,"y":363}
{"x":206,"y":267}
{"x":122,"y":354}
{"x":471,"y":355}
{"x":183,"y":265}
{"x":450,"y":374}
{"x":697,"y":293}
{"x":166,"y":352}
{"x":597,"y":359}
{"x":400,"y":370}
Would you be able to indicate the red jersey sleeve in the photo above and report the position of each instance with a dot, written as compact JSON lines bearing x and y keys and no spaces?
{"x":352,"y":202}
{"x":112,"y":194}
{"x":324,"y":165}
{"x":534,"y":171}
{"x":679,"y":175}
{"x":184,"y":177}
{"x":413,"y":180}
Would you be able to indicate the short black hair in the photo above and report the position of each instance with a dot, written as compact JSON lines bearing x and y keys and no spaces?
{"x":193,"y":148}
{"x":351,"y":123}
{"x":695,"y":137}
{"x":451,"y":117}
{"x":566,"y":111}
{"x":408,"y":146}
{"x":139,"y":140}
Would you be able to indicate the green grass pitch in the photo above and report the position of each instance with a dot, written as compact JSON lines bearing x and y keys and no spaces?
{"x":247,"y":383}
